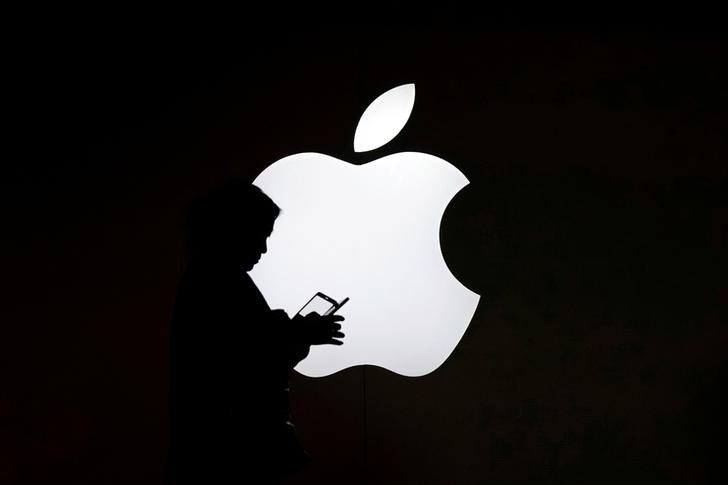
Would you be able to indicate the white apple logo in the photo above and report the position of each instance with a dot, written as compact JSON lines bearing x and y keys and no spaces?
{"x":371,"y":233}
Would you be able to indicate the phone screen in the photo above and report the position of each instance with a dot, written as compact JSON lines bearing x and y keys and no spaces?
{"x":319,"y":304}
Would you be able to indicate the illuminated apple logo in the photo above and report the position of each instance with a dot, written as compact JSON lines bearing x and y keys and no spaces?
{"x":371,"y":233}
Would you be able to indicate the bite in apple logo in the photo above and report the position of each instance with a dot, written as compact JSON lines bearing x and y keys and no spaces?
{"x":371,"y":233}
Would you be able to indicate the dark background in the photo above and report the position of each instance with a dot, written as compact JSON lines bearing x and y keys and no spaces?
{"x":594,"y":228}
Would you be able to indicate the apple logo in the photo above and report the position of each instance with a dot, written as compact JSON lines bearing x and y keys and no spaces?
{"x":371,"y":233}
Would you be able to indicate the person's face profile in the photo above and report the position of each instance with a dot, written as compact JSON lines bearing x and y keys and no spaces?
{"x":259,"y":248}
{"x":230,"y":226}
{"x":256,"y":245}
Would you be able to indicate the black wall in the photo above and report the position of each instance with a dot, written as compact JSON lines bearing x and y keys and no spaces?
{"x":594,"y":227}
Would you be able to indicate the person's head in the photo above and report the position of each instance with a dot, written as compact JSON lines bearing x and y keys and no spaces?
{"x":230,"y":225}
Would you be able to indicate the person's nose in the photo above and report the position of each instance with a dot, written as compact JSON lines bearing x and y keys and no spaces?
{"x":265,"y":248}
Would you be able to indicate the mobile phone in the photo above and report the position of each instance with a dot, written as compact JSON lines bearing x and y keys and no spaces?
{"x":321,"y":304}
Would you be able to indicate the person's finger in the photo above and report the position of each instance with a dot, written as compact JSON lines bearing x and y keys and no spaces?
{"x":327,"y":341}
{"x":338,"y":335}
{"x":334,"y":318}
{"x":324,"y":327}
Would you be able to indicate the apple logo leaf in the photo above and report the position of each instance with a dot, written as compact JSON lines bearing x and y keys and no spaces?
{"x":384,"y":118}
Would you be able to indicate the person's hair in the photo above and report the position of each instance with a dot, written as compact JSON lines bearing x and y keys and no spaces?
{"x":229,"y":213}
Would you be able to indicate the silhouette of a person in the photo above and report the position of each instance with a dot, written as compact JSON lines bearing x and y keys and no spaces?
{"x":231,"y":355}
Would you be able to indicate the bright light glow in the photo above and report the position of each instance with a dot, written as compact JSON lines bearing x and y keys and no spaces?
{"x":384,"y":118}
{"x":369,"y":232}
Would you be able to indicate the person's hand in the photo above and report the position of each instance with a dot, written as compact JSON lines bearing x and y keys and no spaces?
{"x":320,"y":329}
{"x":280,"y":316}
